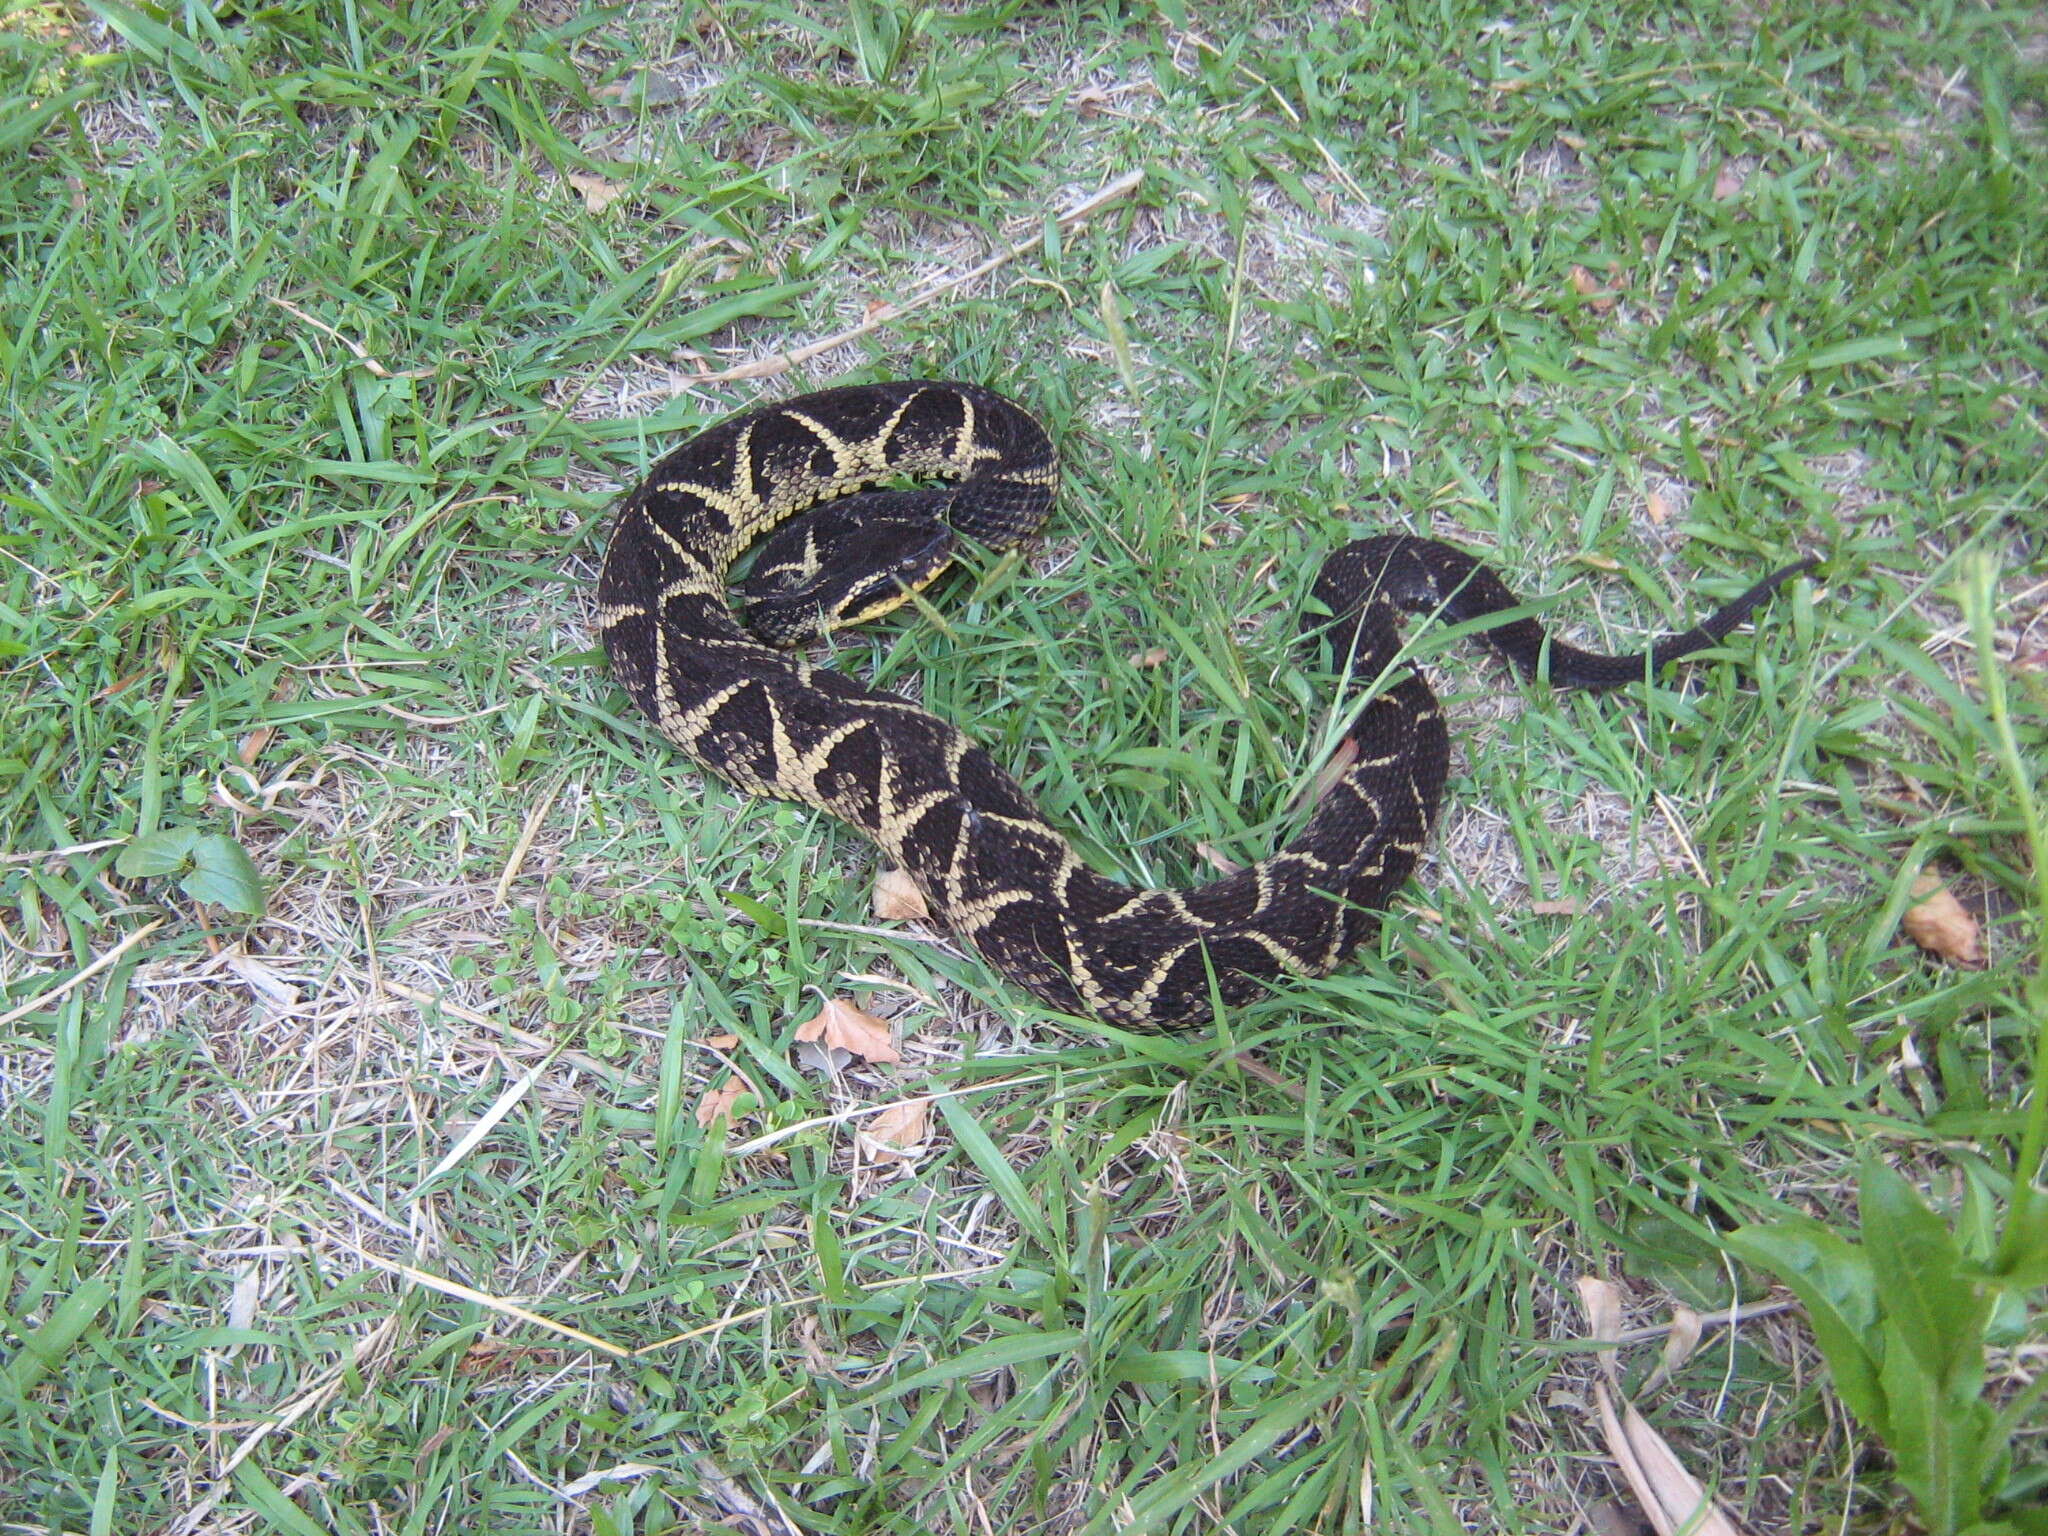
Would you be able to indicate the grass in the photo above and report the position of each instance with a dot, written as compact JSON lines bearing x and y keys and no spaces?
{"x":321,"y":374}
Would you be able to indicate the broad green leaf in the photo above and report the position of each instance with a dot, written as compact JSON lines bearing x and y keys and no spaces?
{"x":997,"y":1354}
{"x":163,"y":852}
{"x":1163,"y":1365}
{"x":44,"y":1348}
{"x":1658,"y":1249}
{"x":1009,"y":1186}
{"x":224,"y":874}
{"x":1945,"y":1446}
{"x":2014,"y":1522}
{"x":1928,"y":1304}
{"x":766,"y":916}
{"x":1864,"y":349}
{"x":2023,"y":1256}
{"x":1832,"y":1279}
{"x":269,"y":1500}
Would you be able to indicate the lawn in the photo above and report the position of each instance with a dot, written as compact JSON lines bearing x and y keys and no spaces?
{"x":368,"y":968}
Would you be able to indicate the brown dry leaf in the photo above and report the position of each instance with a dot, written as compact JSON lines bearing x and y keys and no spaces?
{"x":493,"y":1357}
{"x":1216,"y":860}
{"x":598,"y":194}
{"x":424,"y":1456}
{"x":810,"y":1339}
{"x":1088,"y":101}
{"x":897,"y":1134}
{"x":1938,"y":924}
{"x":721,"y":1042}
{"x":1602,"y":1301}
{"x":1670,"y":1496}
{"x":1156,"y":657}
{"x":717,"y":1104}
{"x":119,"y":685}
{"x":1598,"y":562}
{"x":1592,"y":290}
{"x":1254,"y":1067}
{"x":841,"y":1024}
{"x":1326,"y":778}
{"x":642,"y":87}
{"x":1658,"y":506}
{"x":1569,"y":906}
{"x":1615,"y":1517}
{"x":1728,"y":180}
{"x":897,"y":898}
{"x":253,"y":744}
{"x":1679,"y":1344}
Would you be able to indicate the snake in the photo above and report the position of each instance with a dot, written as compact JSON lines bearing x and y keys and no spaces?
{"x":856,"y":498}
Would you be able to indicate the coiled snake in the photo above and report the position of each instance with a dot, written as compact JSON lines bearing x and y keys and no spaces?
{"x":838,"y":551}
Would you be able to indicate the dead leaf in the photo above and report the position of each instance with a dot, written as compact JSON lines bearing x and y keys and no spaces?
{"x":1217,"y":861}
{"x":897,"y":1134}
{"x":598,"y":194}
{"x":1938,"y":924}
{"x":643,"y":87}
{"x":1602,"y":1301}
{"x":721,"y":1042}
{"x":841,"y":1024}
{"x":1592,"y":290}
{"x":253,"y":744}
{"x":1254,"y":1067}
{"x":1616,"y":1517}
{"x":717,"y":1104}
{"x":817,"y":1360}
{"x":897,"y":898}
{"x":242,"y":1299}
{"x":825,"y":1060}
{"x":1598,"y":562}
{"x":1088,"y":101}
{"x":1669,"y":1495}
{"x":424,"y":1456}
{"x":1658,"y":506}
{"x":1679,"y":1344}
{"x":1728,"y":180}
{"x":119,"y":685}
{"x":493,"y":1357}
{"x":1156,"y":657}
{"x":1569,"y":906}
{"x":1327,"y":776}
{"x":590,"y":1482}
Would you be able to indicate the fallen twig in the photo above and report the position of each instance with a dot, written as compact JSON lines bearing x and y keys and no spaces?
{"x":882,"y":314}
{"x":44,"y":999}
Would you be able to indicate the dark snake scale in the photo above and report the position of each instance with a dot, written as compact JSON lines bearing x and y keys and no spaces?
{"x":798,"y":477}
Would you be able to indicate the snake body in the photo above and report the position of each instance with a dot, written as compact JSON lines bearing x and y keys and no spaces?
{"x":801,"y":477}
